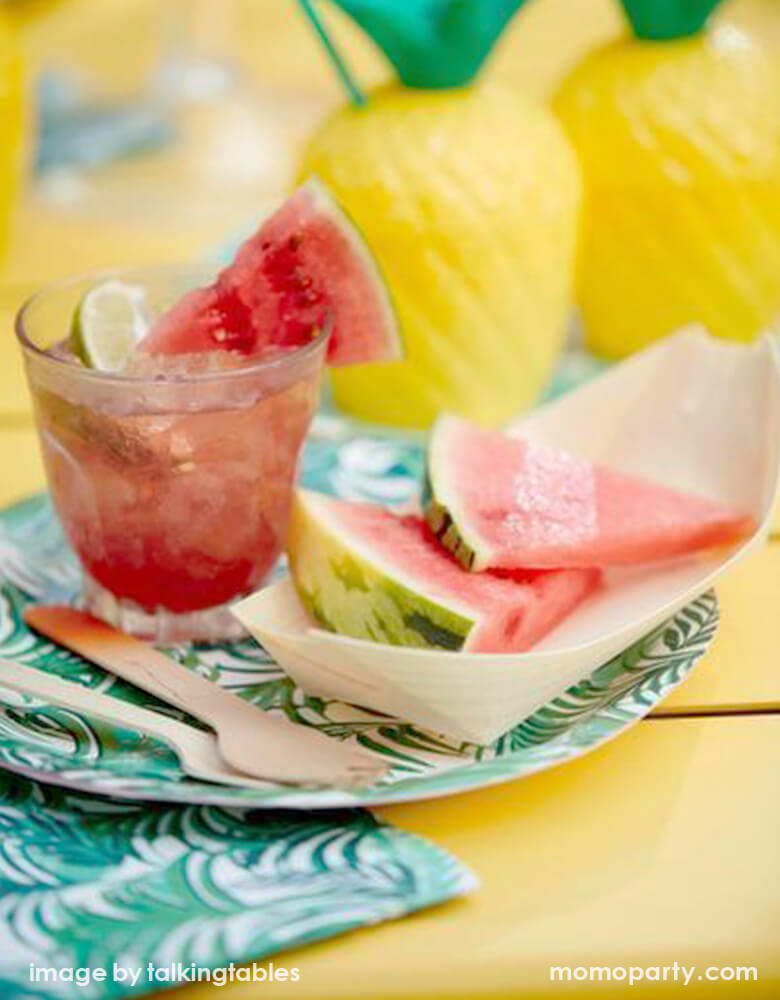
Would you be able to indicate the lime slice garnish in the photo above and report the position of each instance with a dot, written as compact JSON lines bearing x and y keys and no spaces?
{"x":108,"y":324}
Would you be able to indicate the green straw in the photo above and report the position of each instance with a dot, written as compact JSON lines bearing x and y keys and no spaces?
{"x":356,"y":95}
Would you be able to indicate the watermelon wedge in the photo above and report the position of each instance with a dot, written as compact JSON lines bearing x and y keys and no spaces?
{"x":305,"y":269}
{"x":365,"y":572}
{"x":501,"y":502}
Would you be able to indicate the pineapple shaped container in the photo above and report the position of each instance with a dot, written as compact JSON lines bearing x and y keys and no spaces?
{"x":677,"y":129}
{"x":469,"y":196}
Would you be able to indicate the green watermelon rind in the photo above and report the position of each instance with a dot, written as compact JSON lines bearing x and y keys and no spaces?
{"x":323,"y":201}
{"x":328,"y":565}
{"x":440,"y":506}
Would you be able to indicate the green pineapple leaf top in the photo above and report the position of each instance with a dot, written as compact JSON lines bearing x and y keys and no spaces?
{"x":662,"y":20}
{"x":432,"y":44}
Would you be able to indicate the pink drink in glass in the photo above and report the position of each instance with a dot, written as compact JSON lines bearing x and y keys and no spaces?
{"x":172,"y":484}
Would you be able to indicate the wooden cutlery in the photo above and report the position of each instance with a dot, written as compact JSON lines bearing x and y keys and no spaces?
{"x":250,"y":740}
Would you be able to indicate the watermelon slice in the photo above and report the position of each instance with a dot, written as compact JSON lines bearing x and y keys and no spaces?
{"x":306,"y":268}
{"x":366,"y":572}
{"x":501,"y":502}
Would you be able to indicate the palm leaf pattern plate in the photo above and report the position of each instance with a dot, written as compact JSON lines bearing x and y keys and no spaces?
{"x":69,"y":749}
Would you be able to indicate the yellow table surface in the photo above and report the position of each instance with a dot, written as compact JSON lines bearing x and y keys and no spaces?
{"x":742,"y":668}
{"x":659,"y":847}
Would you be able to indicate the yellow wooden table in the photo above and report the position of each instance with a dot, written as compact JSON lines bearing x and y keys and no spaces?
{"x":659,"y":848}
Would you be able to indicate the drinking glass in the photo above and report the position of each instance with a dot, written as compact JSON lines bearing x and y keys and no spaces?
{"x":173,"y":488}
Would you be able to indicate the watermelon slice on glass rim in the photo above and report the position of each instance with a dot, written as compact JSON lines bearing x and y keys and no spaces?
{"x":503,"y":502}
{"x":306,"y":268}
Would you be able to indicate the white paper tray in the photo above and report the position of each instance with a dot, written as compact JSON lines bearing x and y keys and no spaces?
{"x":691,"y":412}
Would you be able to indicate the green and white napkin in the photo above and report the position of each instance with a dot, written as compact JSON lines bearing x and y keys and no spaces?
{"x":96,"y":893}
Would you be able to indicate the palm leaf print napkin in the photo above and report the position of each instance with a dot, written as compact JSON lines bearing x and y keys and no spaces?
{"x":90,"y":883}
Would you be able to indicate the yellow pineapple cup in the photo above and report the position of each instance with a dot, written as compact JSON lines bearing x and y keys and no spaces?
{"x":468,"y":194}
{"x":678,"y":133}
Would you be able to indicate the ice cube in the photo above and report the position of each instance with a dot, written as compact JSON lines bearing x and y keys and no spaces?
{"x":141,"y":364}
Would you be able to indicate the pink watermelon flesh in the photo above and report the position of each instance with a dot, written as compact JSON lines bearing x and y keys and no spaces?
{"x":305,"y":269}
{"x":503,"y":502}
{"x":514,"y":610}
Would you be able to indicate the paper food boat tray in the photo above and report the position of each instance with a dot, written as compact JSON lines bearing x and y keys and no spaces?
{"x":690,"y":412}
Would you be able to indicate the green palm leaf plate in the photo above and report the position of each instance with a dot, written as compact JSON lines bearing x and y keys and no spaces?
{"x":71,"y":750}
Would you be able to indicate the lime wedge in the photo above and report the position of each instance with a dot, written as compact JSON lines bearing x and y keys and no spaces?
{"x":108,"y":323}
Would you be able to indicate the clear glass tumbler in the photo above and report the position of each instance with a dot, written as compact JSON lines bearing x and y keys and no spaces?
{"x":174,"y":490}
